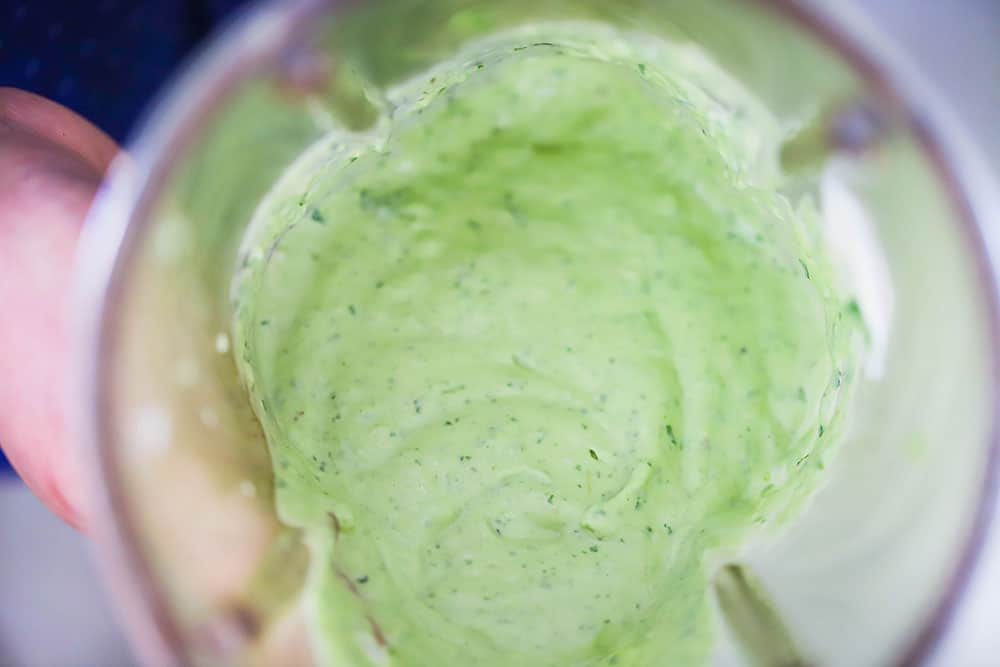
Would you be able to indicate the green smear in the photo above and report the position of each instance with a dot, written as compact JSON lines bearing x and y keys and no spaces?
{"x":553,"y":342}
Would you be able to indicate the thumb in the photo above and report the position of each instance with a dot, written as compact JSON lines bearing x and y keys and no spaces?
{"x":51,"y":164}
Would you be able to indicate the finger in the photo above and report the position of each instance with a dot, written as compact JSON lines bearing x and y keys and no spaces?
{"x":51,"y":163}
{"x":32,"y":115}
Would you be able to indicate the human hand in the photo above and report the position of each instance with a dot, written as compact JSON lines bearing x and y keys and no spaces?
{"x":52,"y":162}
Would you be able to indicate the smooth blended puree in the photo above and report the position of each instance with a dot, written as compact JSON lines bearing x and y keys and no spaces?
{"x":537,"y":352}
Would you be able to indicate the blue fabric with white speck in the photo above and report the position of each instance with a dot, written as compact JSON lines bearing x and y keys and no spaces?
{"x":105,"y":59}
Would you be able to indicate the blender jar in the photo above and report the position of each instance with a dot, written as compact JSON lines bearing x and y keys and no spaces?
{"x":184,"y":509}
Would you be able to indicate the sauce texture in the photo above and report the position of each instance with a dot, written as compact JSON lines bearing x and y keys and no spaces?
{"x":534,"y":352}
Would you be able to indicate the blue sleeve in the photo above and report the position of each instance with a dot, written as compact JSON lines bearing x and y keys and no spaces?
{"x":102,"y":58}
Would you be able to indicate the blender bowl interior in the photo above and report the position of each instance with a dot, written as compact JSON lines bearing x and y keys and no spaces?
{"x":207,"y":573}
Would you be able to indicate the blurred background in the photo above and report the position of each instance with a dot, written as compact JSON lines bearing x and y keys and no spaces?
{"x":106,"y":59}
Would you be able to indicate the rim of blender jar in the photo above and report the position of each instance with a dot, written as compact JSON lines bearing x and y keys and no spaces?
{"x":255,"y":43}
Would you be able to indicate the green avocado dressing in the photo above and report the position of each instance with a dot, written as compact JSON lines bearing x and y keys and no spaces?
{"x":532,"y":352}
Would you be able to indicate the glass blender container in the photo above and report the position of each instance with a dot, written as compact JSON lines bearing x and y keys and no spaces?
{"x":205,"y":573}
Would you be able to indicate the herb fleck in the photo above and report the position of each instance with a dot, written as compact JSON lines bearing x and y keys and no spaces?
{"x":673,"y":438}
{"x":365,"y":199}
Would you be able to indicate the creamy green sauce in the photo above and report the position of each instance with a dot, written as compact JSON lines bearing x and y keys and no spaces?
{"x":536,"y":353}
